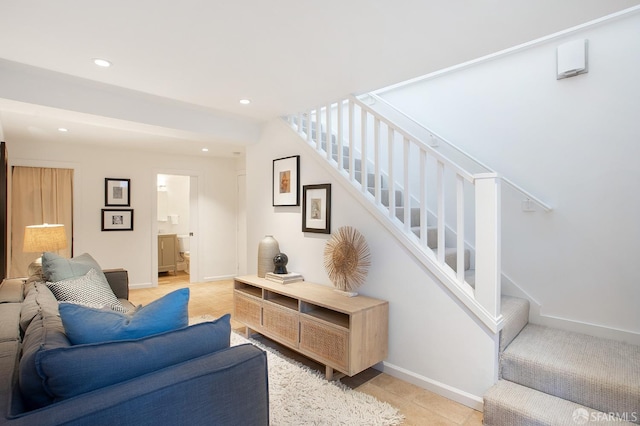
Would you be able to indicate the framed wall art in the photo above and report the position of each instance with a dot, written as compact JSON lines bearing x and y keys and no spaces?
{"x":117,"y":219}
{"x":117,"y":192}
{"x":286,"y":181}
{"x":316,"y":208}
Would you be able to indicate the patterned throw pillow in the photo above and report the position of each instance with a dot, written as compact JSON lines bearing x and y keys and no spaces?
{"x":89,"y":289}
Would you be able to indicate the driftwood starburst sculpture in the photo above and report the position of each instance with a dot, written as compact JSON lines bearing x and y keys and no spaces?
{"x":347,"y":259}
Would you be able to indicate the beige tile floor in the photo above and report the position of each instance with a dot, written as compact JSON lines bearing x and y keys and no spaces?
{"x":419,"y":406}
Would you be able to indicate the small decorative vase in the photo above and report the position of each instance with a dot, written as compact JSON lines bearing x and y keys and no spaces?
{"x":280,"y":262}
{"x":267,"y":250}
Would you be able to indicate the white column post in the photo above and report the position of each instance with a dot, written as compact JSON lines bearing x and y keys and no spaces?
{"x":488,"y":254}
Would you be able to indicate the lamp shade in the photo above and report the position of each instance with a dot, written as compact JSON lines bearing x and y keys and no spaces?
{"x":41,"y":238}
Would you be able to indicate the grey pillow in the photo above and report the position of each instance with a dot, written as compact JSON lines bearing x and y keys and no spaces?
{"x":57,"y":268}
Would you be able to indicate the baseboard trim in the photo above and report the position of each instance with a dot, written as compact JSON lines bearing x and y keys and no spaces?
{"x":585,"y":328}
{"x":140,"y":285}
{"x":465,"y":398}
{"x":536,"y":316}
{"x":219,"y":278}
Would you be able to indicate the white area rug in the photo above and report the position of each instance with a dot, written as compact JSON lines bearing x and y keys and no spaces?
{"x":299,"y":395}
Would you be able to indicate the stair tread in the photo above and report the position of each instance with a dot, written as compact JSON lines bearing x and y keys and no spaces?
{"x":451,"y":255}
{"x":508,"y":403}
{"x":599,"y":373}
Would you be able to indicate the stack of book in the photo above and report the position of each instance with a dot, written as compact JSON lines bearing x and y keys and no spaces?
{"x":291,"y":277}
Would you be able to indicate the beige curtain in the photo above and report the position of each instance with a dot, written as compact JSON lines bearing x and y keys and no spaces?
{"x":39,"y":195}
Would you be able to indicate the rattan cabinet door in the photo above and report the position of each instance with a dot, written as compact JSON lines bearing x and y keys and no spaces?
{"x":328,"y":343}
{"x":281,"y":322}
{"x":248,"y":310}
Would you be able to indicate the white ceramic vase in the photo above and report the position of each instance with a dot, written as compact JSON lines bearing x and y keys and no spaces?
{"x":267,"y":250}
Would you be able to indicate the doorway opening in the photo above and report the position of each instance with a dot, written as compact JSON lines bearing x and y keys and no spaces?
{"x":176,"y":225}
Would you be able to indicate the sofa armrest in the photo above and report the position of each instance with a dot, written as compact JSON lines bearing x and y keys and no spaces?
{"x":119,"y":281}
{"x":228,"y":387}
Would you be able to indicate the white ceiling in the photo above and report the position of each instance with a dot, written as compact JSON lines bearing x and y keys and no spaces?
{"x":195,"y":59}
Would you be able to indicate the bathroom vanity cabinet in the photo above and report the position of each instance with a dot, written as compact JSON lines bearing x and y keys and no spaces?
{"x":167,"y":253}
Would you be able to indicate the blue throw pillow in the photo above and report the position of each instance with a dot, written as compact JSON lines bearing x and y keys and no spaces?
{"x":83,"y":324}
{"x":73,"y":370}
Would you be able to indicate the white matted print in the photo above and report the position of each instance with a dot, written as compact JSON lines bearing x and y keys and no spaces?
{"x":316,"y":208}
{"x":117,"y":192}
{"x":286,"y":181}
{"x":117,"y":219}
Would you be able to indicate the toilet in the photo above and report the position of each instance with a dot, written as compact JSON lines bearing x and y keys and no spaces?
{"x":183,"y":244}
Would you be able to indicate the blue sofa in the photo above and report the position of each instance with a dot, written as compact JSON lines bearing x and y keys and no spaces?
{"x":189,"y":384}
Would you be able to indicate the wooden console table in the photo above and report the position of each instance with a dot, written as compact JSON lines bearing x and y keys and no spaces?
{"x":348,"y":334}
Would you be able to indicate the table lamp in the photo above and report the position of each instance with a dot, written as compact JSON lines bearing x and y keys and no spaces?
{"x":41,"y":238}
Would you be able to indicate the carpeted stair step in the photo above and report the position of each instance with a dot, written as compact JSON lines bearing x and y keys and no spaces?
{"x":371,"y":179}
{"x":414,"y":215}
{"x":598,"y":373}
{"x":334,"y":151}
{"x":515,"y":312}
{"x":345,"y":163}
{"x":451,"y":257}
{"x":384,"y":197}
{"x":432,"y":235}
{"x":510,"y":404}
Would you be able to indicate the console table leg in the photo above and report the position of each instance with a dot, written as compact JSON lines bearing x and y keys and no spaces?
{"x":328,"y":373}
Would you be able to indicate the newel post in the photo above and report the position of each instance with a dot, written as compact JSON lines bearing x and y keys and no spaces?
{"x":488,"y":254}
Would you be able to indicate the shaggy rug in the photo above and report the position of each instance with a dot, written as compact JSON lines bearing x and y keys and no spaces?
{"x":299,"y":395}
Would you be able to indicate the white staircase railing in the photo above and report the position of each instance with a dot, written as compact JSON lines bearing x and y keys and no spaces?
{"x":441,"y":212}
{"x":436,"y":140}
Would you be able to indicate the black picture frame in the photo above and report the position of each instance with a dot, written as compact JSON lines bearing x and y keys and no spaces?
{"x":117,"y":192}
{"x":286,"y":181}
{"x":117,"y":220}
{"x":316,"y":208}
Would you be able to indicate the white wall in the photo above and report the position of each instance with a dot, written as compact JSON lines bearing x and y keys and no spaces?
{"x":134,"y":250}
{"x":433,"y":341}
{"x":575,"y":144}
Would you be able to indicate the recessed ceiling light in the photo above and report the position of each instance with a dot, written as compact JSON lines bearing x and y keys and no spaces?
{"x":245,"y":101}
{"x":63,"y":129}
{"x":102,"y":62}
{"x":205,"y":149}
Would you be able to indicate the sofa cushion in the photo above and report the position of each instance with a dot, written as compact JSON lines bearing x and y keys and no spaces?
{"x":9,"y":352}
{"x":11,"y":291}
{"x":39,"y":298}
{"x":44,"y":333}
{"x":119,"y":281}
{"x":58,"y":268}
{"x":88,"y":325}
{"x":88,"y":289}
{"x":73,"y":370}
{"x":9,"y":321}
